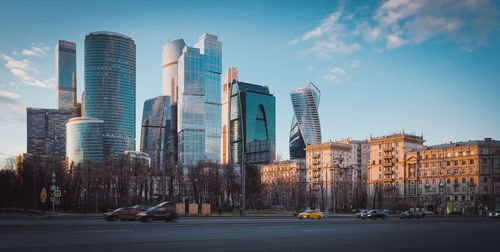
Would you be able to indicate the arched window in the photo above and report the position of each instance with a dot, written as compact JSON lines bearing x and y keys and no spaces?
{"x":447,"y":181}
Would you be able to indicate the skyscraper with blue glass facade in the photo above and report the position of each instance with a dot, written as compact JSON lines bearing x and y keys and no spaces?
{"x":66,"y":74}
{"x":306,"y":128}
{"x":155,"y":131}
{"x":252,"y":124}
{"x":110,"y":88}
{"x":196,"y":92}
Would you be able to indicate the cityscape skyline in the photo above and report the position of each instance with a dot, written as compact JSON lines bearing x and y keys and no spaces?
{"x":442,"y":91}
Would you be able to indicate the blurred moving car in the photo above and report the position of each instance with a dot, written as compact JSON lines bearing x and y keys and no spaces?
{"x":122,"y":213}
{"x":310,"y":214}
{"x":495,"y":214}
{"x":374,"y":214}
{"x":358,"y":214}
{"x":411,"y":215}
{"x":164,"y":211}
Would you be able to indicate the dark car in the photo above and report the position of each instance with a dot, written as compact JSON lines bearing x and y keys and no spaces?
{"x":163,"y":211}
{"x":494,"y":214}
{"x":374,"y":214}
{"x":411,"y":215}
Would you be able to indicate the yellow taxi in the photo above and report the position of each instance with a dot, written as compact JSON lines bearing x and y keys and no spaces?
{"x":310,"y":214}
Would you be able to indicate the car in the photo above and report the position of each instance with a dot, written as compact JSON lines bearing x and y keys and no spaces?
{"x":310,"y":214}
{"x":164,"y":211}
{"x":374,"y":214}
{"x":358,"y":214}
{"x":122,"y":213}
{"x":411,"y":215}
{"x":495,"y":214}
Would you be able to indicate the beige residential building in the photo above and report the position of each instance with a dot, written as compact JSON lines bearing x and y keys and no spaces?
{"x":329,"y":176}
{"x":284,"y":184}
{"x":462,"y":177}
{"x":360,"y":157}
{"x":386,"y":169}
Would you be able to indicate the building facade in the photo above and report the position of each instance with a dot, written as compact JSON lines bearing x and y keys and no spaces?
{"x":386,"y":169}
{"x":461,"y":177}
{"x":46,"y":133}
{"x":110,"y":88}
{"x":252,"y":127}
{"x":306,"y":128}
{"x":195,"y":91}
{"x":284,"y":184}
{"x":329,"y":176}
{"x":360,"y":157}
{"x":231,"y":76}
{"x":155,"y":131}
{"x":66,"y":74}
{"x":84,"y":141}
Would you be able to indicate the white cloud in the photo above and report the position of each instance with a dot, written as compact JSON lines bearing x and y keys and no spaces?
{"x":352,"y":64}
{"x":34,"y":51}
{"x":23,"y":70}
{"x":396,"y":23}
{"x":10,"y":102}
{"x":334,"y":74}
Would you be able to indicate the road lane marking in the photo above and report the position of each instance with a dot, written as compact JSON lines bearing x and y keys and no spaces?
{"x":318,"y":230}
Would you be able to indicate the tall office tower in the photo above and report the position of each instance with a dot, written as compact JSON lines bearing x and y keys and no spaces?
{"x":252,"y":128}
{"x":66,"y":74}
{"x":231,"y":75}
{"x":155,"y":131}
{"x":46,"y":132}
{"x":84,"y":140}
{"x":306,"y":128}
{"x":197,"y":95}
{"x":110,"y":88}
{"x":171,"y":53}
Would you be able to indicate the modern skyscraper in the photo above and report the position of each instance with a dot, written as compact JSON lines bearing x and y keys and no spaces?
{"x":110,"y":88}
{"x":66,"y":74}
{"x":171,"y":53}
{"x":155,"y":131}
{"x":252,"y":124}
{"x":231,"y":75}
{"x":84,"y":140}
{"x":46,"y":132}
{"x":197,"y":96}
{"x":306,"y":128}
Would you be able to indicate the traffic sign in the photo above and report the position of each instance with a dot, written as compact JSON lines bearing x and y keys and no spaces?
{"x":43,"y":195}
{"x":57,"y":193}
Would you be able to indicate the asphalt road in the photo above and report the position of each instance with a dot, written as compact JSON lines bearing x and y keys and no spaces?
{"x":250,"y":234}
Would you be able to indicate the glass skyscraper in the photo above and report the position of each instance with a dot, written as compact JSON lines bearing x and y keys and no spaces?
{"x":66,"y":74}
{"x":197,"y":96}
{"x":155,"y":131}
{"x":46,"y":132}
{"x":84,"y":140}
{"x":110,"y":88}
{"x":252,"y":123}
{"x":306,"y":128}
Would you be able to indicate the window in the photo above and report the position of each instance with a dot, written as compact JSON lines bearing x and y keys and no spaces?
{"x":485,"y":161}
{"x":471,"y":161}
{"x":448,"y":163}
{"x":447,"y":181}
{"x":463,"y":180}
{"x":456,"y":162}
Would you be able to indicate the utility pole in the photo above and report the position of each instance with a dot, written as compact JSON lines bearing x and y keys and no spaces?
{"x":53,"y":187}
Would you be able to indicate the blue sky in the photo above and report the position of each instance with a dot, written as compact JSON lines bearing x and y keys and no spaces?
{"x":424,"y":66}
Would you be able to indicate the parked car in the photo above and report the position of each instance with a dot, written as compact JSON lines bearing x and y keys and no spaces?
{"x":358,"y":214}
{"x":164,"y":211}
{"x":374,"y":214}
{"x":122,"y":213}
{"x":411,"y":215}
{"x":310,"y":214}
{"x":495,"y":214}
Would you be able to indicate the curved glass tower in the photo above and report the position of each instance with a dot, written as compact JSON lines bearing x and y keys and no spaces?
{"x":306,"y":128}
{"x":155,"y":131}
{"x":84,"y":140}
{"x":110,"y":88}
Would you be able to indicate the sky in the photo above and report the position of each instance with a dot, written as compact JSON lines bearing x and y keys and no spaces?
{"x":423,"y":66}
